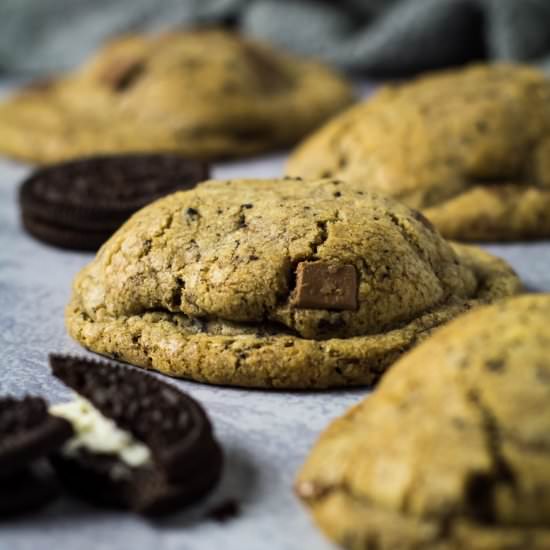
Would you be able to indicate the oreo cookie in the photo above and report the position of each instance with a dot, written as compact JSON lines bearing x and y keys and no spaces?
{"x":80,"y":203}
{"x":139,"y":442}
{"x":26,"y":491}
{"x":28,"y":433}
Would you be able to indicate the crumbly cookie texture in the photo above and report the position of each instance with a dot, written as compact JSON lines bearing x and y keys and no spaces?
{"x":276,"y":283}
{"x":452,"y":450}
{"x":204,"y":94}
{"x":469,"y":147}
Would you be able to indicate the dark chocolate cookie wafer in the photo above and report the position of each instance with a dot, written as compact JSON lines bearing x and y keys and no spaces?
{"x":27,"y":434}
{"x":184,"y":460}
{"x":79,"y":204}
{"x":25,"y":491}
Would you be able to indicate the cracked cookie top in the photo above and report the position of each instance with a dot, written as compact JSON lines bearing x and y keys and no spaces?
{"x":204,"y":93}
{"x":453,"y":446}
{"x":469,"y":147}
{"x":319,"y":259}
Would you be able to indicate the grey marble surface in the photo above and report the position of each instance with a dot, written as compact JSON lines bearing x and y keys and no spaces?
{"x":265,"y":435}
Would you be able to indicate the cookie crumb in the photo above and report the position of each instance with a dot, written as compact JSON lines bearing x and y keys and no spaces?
{"x":224,"y":511}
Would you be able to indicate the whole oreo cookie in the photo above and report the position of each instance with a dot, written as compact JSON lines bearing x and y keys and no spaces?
{"x":139,"y":442}
{"x":28,"y":433}
{"x":79,"y":204}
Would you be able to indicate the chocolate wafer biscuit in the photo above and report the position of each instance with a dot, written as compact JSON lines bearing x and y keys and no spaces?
{"x":25,"y":491}
{"x":79,"y":204}
{"x":27,"y":434}
{"x":140,"y":443}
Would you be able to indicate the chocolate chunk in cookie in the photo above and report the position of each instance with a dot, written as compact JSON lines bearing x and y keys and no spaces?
{"x":156,"y":452}
{"x":121,"y":73}
{"x":79,"y":204}
{"x":321,"y":285}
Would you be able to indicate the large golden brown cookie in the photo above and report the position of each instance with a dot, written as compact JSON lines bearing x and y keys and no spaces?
{"x":469,"y":147}
{"x":204,"y":94}
{"x":276,"y":283}
{"x":452,"y":451}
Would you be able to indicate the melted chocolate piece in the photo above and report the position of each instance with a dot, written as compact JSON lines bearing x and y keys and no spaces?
{"x":122,"y":73}
{"x":322,"y":285}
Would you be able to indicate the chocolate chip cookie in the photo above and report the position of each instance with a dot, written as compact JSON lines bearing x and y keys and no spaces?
{"x":469,"y":147}
{"x":203,"y":94}
{"x":276,"y":283}
{"x":452,"y":450}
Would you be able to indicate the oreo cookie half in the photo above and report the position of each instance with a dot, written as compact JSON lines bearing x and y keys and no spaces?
{"x":28,"y":433}
{"x":25,"y":491}
{"x":80,"y":203}
{"x":139,"y":442}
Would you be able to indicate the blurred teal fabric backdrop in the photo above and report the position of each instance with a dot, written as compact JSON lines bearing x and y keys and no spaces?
{"x":376,"y":37}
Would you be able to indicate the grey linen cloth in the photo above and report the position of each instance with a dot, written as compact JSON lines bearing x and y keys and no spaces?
{"x":376,"y":37}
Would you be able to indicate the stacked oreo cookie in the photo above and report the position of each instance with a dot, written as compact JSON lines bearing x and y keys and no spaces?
{"x":128,"y":440}
{"x":79,"y":204}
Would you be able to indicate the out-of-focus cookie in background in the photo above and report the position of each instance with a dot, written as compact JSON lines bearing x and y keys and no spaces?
{"x":157,"y":83}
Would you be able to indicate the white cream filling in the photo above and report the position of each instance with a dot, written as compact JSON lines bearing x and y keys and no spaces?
{"x":99,"y":434}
